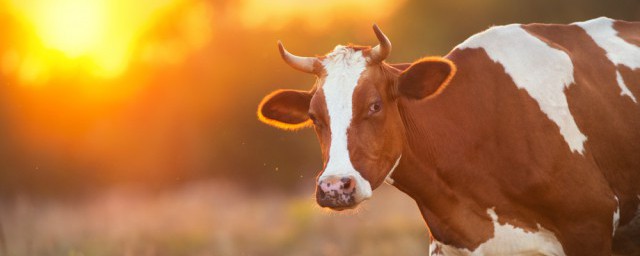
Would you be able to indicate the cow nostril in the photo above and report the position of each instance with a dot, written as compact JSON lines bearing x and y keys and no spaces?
{"x":346,"y":183}
{"x":320,"y":192}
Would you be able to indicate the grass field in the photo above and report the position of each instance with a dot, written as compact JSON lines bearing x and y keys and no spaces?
{"x":211,"y":219}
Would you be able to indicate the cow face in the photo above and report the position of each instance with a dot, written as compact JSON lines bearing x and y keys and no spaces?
{"x":353,"y":109}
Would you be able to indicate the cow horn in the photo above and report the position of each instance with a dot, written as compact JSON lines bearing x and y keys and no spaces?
{"x":382,"y":50}
{"x":304,"y":64}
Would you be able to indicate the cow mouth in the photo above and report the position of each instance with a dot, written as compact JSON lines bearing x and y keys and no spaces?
{"x":336,"y":201}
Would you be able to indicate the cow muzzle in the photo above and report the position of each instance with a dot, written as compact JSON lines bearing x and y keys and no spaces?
{"x":338,"y":192}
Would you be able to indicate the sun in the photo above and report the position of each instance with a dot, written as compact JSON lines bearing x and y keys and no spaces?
{"x":74,"y":27}
{"x":89,"y":37}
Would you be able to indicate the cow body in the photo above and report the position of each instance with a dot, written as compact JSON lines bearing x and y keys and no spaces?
{"x":531,"y":148}
{"x":548,"y":140}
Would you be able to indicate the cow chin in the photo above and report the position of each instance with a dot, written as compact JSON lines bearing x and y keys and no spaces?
{"x":348,"y":194}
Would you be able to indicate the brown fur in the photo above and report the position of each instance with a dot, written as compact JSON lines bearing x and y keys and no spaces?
{"x":629,"y":31}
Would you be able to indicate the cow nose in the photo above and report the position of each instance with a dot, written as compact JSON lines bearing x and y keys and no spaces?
{"x":336,"y":192}
{"x":336,"y":184}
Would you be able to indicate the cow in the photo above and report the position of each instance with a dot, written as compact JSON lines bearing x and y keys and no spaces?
{"x":522,"y":140}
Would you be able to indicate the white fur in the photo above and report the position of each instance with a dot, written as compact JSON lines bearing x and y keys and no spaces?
{"x":507,"y":240}
{"x":388,"y":179}
{"x":619,"y":51}
{"x":616,"y":216}
{"x":344,"y":67}
{"x":624,"y":90}
{"x":544,"y":72}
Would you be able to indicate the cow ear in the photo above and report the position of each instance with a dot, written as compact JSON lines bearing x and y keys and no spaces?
{"x":286,"y":109}
{"x":426,"y":78}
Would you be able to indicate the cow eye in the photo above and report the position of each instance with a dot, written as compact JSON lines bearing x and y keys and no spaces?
{"x":375,"y":107}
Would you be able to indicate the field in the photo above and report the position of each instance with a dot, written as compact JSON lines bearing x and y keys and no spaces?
{"x":211,"y":218}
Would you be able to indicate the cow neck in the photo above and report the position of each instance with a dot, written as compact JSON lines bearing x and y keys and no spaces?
{"x":424,"y":173}
{"x":413,"y":175}
{"x":442,"y":209}
{"x":421,"y":181}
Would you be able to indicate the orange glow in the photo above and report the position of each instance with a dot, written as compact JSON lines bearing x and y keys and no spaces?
{"x":74,"y":27}
{"x":98,"y":35}
{"x":315,"y":14}
{"x":101,"y":38}
{"x":123,"y":90}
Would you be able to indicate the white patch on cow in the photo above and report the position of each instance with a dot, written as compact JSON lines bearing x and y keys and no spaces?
{"x":624,"y":90}
{"x":619,"y":51}
{"x":616,"y":216}
{"x":543,"y":71}
{"x":507,"y":240}
{"x":436,"y":248}
{"x":388,"y":179}
{"x":344,"y":67}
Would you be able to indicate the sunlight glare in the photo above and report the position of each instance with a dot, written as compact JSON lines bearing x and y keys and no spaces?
{"x":74,"y":27}
{"x":94,"y":37}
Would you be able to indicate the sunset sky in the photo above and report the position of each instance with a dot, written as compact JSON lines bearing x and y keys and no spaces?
{"x":162,"y":91}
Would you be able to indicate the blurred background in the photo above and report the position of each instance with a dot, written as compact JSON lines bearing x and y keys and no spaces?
{"x":129,"y":128}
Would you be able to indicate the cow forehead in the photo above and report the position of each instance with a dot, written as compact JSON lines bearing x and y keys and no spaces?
{"x":343,"y":67}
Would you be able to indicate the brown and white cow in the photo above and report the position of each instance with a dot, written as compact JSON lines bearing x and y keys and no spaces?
{"x":523,"y":140}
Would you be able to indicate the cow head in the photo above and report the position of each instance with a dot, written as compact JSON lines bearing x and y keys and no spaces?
{"x":354,"y":109}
